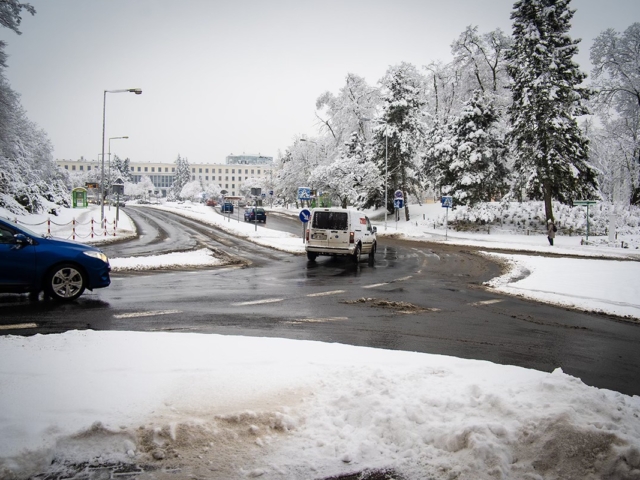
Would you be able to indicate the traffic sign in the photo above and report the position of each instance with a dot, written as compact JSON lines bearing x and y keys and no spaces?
{"x":305,"y":215}
{"x":398,"y":194}
{"x":304,"y":193}
{"x":447,"y":201}
{"x":398,"y":203}
{"x":584,"y":202}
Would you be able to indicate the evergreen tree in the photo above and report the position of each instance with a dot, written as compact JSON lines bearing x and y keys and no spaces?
{"x":550,"y":151}
{"x":400,"y":132}
{"x":182,"y":176}
{"x":477,"y":171}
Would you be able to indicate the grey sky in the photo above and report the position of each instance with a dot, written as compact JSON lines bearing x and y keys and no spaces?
{"x":221,"y":77}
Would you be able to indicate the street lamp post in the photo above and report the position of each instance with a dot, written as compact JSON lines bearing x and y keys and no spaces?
{"x":137,"y":91}
{"x":386,"y":165}
{"x":109,"y":167}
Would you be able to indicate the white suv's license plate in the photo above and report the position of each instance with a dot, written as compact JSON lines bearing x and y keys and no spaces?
{"x":319,"y":236}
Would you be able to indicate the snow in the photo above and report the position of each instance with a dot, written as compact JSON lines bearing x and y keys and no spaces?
{"x":226,"y":407}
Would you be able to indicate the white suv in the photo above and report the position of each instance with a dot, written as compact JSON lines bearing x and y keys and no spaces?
{"x":337,"y":231}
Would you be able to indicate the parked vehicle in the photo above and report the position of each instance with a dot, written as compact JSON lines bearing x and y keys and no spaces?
{"x":338,"y":231}
{"x":226,"y":207}
{"x":30,"y":262}
{"x":251,"y":213}
{"x":211,"y":203}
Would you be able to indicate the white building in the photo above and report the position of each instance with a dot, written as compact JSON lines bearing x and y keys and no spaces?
{"x":228,"y":176}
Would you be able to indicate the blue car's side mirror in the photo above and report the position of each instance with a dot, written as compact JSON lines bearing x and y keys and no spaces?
{"x":22,"y":239}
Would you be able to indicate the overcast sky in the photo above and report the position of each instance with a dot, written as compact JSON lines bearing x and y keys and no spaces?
{"x":222,"y":77}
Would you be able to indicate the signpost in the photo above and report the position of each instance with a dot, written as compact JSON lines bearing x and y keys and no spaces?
{"x":447,"y":202}
{"x":305,"y":216}
{"x":585,"y":203}
{"x":398,"y":203}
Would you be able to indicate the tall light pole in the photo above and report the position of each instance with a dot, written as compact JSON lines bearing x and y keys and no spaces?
{"x":137,"y":91}
{"x":109,"y":168}
{"x":386,"y":164}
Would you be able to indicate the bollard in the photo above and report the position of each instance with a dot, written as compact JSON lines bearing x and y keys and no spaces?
{"x":73,"y":229}
{"x":49,"y":226}
{"x":91,"y":227}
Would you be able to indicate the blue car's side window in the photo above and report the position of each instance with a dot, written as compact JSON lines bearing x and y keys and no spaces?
{"x":6,"y":235}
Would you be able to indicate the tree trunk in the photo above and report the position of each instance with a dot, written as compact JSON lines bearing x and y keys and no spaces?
{"x":548,"y":206}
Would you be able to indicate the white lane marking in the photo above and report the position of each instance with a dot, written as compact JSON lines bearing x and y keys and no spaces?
{"x":258,"y":302}
{"x":402,"y":279}
{"x":487,"y":302}
{"x":322,"y":294}
{"x":375,"y":285}
{"x":316,"y":320}
{"x":18,"y":325}
{"x":150,"y":313}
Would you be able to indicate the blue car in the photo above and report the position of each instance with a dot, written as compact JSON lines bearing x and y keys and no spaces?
{"x":30,"y":262}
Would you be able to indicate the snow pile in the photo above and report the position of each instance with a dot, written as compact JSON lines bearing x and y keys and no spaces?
{"x":198,"y":258}
{"x":224,"y":407}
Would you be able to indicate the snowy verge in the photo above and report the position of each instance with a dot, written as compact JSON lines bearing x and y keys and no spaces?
{"x":196,"y":258}
{"x":606,"y":286}
{"x":227,"y":407}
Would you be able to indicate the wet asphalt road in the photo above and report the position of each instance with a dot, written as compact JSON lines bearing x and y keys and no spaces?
{"x":415,"y":297}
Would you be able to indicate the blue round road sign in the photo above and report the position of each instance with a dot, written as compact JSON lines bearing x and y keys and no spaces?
{"x":305,"y":215}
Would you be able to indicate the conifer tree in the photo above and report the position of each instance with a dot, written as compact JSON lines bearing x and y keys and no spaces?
{"x":550,"y":151}
{"x":182,"y":176}
{"x":477,"y":171}
{"x":401,"y":131}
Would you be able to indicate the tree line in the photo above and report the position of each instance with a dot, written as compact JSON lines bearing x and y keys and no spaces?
{"x":510,"y":117}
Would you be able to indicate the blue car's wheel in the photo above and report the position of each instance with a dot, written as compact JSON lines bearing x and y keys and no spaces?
{"x":65,"y":282}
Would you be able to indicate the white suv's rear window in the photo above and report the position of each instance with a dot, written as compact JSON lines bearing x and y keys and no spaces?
{"x":330,"y":220}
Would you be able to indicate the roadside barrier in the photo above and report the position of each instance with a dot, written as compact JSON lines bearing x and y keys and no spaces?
{"x":104,"y":229}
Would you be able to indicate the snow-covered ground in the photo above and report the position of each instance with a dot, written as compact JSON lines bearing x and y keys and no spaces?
{"x":224,"y":407}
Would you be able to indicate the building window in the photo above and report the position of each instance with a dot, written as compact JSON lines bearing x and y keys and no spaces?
{"x":233,"y":185}
{"x":200,"y":170}
{"x":251,"y":172}
{"x":81,"y":167}
{"x":206,"y":170}
{"x":219,"y":170}
{"x":258,"y":172}
{"x":146,"y":169}
{"x":73,"y":167}
{"x":226,"y":185}
{"x":233,"y":170}
{"x":66,"y":167}
{"x":139,"y":169}
{"x":246,"y":171}
{"x":173,"y":169}
{"x":166,"y":169}
{"x":233,"y":178}
{"x":226,"y":170}
{"x":226,"y":178}
{"x":89,"y":167}
{"x":193,"y":177}
{"x":206,"y":177}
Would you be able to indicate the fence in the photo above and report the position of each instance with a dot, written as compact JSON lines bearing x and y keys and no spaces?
{"x":103,"y":231}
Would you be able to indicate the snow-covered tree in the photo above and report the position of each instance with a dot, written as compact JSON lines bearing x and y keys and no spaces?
{"x":192,"y":191}
{"x":145,"y":187}
{"x":476,"y":171}
{"x":481,"y":60}
{"x":550,"y":151}
{"x":351,"y":178}
{"x":616,"y":79}
{"x":213,"y":191}
{"x":29,"y":177}
{"x":349,"y":111}
{"x":121,"y":168}
{"x":400,"y":132}
{"x":182,"y":175}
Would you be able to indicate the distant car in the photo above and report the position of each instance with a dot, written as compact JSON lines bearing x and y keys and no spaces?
{"x":252,"y":214}
{"x":30,"y":262}
{"x":120,"y":203}
{"x":226,"y":207}
{"x":211,"y":203}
